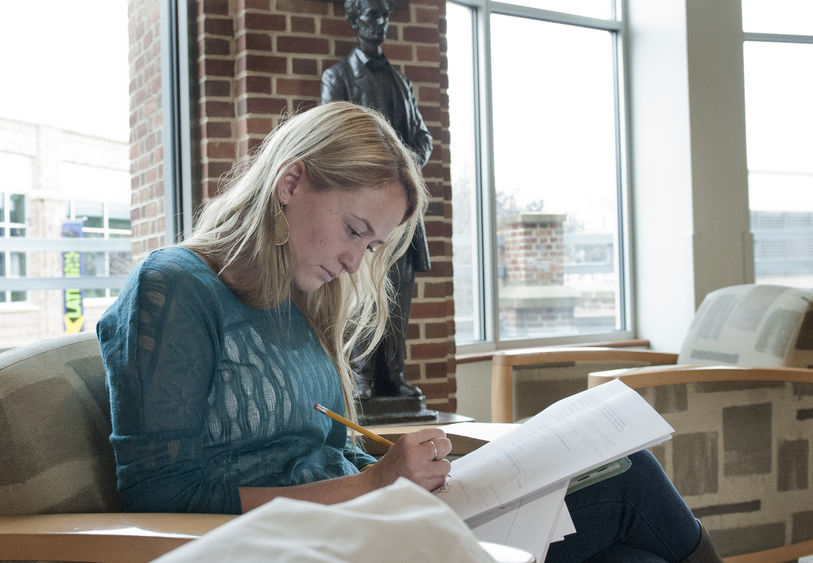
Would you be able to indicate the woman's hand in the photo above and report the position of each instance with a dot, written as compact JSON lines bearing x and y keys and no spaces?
{"x":418,"y":456}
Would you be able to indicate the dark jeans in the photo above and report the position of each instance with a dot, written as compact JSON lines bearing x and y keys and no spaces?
{"x":637,"y":516}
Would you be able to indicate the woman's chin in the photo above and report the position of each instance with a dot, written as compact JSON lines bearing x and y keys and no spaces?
{"x":308,"y":285}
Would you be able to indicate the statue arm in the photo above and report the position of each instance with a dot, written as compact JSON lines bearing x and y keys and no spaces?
{"x":421,"y":137}
{"x":333,"y":88}
{"x":423,"y":143}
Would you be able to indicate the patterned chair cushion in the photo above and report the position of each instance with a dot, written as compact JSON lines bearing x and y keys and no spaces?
{"x":740,"y":457}
{"x":752,"y":325}
{"x":55,"y":452}
{"x":741,"y":452}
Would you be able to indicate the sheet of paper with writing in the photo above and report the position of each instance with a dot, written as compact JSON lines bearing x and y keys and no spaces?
{"x":568,"y":438}
{"x":532,"y":526}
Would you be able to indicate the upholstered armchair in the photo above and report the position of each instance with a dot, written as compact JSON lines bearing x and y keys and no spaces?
{"x":58,"y":499}
{"x":58,"y":496}
{"x":525,"y":381}
{"x":741,"y":401}
{"x":740,"y":397}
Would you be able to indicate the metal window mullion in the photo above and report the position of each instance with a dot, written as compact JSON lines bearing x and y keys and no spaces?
{"x":552,"y":16}
{"x":624,"y":220}
{"x":487,"y":190}
{"x":179,"y":124}
{"x":777,"y":38}
{"x":169,"y":103}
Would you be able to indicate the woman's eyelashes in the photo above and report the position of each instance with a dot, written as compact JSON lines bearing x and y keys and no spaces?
{"x":355,"y":233}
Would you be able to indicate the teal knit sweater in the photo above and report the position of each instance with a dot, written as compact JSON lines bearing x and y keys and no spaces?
{"x":208,"y":395}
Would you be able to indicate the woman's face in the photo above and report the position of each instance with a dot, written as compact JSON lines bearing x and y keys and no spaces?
{"x":332,"y":229}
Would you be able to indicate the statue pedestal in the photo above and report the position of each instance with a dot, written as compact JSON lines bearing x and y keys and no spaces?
{"x":393,"y":410}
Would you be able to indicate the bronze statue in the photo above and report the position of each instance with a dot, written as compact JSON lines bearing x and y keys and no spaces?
{"x":365,"y":77}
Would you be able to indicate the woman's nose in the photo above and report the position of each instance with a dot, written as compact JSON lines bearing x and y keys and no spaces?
{"x":351,"y":259}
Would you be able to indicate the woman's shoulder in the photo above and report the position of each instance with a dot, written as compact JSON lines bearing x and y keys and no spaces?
{"x":174,"y":261}
{"x":177,"y":267}
{"x":173,"y":255}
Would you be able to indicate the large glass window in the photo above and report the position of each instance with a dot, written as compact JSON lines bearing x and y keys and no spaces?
{"x":778,"y":53}
{"x":537,"y":190}
{"x":64,"y":144}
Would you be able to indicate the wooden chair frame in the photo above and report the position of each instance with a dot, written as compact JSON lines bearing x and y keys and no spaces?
{"x":126,"y":538}
{"x":504,"y":362}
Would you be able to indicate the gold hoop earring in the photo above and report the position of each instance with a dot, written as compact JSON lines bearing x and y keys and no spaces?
{"x":282,"y":230}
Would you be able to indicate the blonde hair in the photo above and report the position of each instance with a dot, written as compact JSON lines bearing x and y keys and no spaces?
{"x":342,"y":146}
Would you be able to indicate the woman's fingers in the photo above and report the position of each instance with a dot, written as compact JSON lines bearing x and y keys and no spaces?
{"x":419,"y":456}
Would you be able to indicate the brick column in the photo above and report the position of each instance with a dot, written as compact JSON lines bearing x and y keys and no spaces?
{"x":532,"y":290}
{"x":146,"y":149}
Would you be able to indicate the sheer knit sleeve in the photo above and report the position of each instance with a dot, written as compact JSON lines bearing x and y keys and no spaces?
{"x":160,"y":343}
{"x":356,"y":455}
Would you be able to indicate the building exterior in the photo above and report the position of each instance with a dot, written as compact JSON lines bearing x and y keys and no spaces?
{"x":65,"y":213}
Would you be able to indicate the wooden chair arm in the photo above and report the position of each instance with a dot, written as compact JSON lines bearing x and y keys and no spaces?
{"x":100,"y":537}
{"x":653,"y":376}
{"x":785,"y":553}
{"x":530,"y":356}
{"x":504,"y":362}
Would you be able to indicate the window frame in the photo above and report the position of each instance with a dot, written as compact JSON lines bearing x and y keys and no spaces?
{"x":6,"y":254}
{"x":485,"y":194}
{"x":180,"y":132}
{"x":757,"y":234}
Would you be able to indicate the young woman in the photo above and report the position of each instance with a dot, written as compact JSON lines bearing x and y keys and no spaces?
{"x":217,"y":349}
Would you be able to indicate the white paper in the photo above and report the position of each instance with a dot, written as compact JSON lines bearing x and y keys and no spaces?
{"x":482,"y":431}
{"x":570,"y":437}
{"x":564,"y":525}
{"x":530,"y":526}
{"x":401,"y":521}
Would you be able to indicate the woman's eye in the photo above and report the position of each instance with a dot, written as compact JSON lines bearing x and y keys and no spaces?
{"x":353,"y":232}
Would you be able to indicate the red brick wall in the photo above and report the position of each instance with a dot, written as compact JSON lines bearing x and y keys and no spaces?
{"x":258,"y":59}
{"x":146,"y":149}
{"x":533,"y":251}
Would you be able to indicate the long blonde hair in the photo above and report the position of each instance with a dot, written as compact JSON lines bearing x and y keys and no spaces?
{"x":342,"y":146}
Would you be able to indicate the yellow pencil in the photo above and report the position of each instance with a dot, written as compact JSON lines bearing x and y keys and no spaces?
{"x":353,"y":425}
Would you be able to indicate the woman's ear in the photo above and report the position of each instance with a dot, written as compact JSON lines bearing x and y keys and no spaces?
{"x":290,"y":182}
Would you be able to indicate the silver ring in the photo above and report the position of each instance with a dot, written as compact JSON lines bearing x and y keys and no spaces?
{"x":434,"y":450}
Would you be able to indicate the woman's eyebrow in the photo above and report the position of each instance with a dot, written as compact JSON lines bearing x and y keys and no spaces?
{"x":368,"y":226}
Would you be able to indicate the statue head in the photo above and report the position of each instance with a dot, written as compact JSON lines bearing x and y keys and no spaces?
{"x":369,"y":19}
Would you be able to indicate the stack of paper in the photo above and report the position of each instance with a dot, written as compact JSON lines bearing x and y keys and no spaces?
{"x":511,"y":490}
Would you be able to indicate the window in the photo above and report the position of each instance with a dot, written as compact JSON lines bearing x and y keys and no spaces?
{"x":65,"y":156}
{"x":12,"y":225}
{"x":103,"y":220}
{"x":778,"y":53}
{"x":536,"y":128}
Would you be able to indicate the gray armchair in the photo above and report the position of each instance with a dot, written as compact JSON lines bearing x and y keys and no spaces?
{"x":58,"y":497}
{"x":740,"y":397}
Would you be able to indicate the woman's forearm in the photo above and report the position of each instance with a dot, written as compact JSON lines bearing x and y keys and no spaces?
{"x":329,"y":491}
{"x":418,"y":456}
